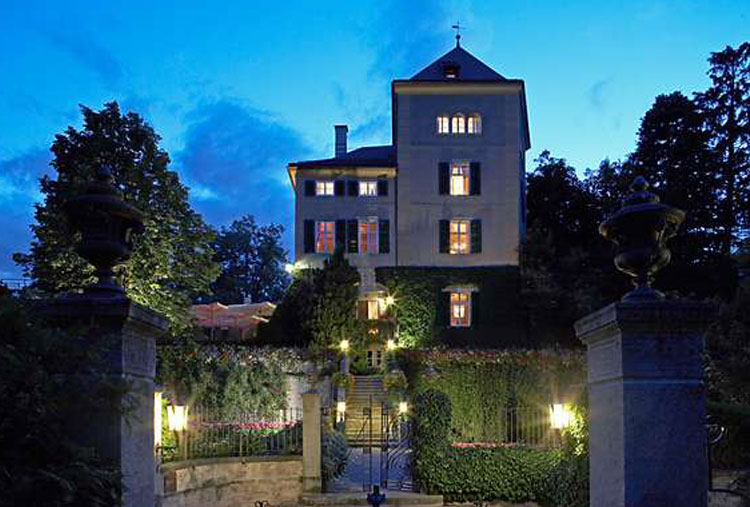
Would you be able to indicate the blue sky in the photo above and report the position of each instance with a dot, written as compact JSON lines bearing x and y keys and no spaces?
{"x":238,"y":88}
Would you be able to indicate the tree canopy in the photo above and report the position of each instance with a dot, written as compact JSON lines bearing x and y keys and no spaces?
{"x":172,"y":260}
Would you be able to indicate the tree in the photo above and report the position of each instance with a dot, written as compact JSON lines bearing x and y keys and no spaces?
{"x":252,"y":262}
{"x":725,"y":107}
{"x":171,"y":262}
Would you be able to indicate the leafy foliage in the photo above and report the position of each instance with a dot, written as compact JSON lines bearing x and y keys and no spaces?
{"x":252,"y":262}
{"x":172,"y":261}
{"x":51,"y":383}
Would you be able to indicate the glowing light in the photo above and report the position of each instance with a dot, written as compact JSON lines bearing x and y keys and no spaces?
{"x":389,"y":300}
{"x":340,"y":411}
{"x":177,"y":417}
{"x":390,"y":344}
{"x":289,"y":268}
{"x":157,"y":419}
{"x":403,"y":407}
{"x":560,"y":416}
{"x":344,"y":345}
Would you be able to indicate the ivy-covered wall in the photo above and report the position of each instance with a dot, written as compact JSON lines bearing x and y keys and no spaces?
{"x":482,"y":384}
{"x":422,"y":309}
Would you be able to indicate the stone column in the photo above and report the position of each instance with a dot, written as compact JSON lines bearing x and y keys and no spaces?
{"x":311,"y":443}
{"x":646,"y":403}
{"x":123,"y":435}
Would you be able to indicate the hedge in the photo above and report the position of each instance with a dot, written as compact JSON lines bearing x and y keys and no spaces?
{"x":515,"y":474}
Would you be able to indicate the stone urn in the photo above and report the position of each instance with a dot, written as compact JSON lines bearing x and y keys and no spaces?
{"x":107,"y":225}
{"x":640,"y":229}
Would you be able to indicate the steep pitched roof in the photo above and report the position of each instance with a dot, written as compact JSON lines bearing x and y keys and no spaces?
{"x":369,"y":156}
{"x":469,"y":68}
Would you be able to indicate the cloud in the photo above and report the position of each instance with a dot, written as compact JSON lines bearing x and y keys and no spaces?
{"x":406,"y":33}
{"x":373,"y":130}
{"x":597,"y":91}
{"x":235,"y":160}
{"x":19,"y":190}
{"x":81,"y":45}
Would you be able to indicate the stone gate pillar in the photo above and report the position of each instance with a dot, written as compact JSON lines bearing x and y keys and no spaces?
{"x":312,"y":479}
{"x":646,"y":404}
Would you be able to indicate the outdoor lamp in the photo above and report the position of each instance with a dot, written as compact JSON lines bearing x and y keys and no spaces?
{"x":344,"y":345}
{"x":389,"y":300}
{"x":157,"y":419}
{"x":390,"y":344}
{"x":340,"y":411}
{"x":177,"y":417}
{"x":403,"y":407}
{"x":560,"y":416}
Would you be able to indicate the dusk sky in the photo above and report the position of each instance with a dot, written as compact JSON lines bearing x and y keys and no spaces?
{"x":237,"y":89}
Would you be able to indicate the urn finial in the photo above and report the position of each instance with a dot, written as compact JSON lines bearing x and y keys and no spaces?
{"x":107,"y":225}
{"x":640,"y":229}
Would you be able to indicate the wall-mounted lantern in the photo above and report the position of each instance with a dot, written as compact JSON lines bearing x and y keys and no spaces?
{"x":403,"y":407}
{"x":177,"y":417}
{"x":560,"y":416}
{"x":390,"y":344}
{"x":340,"y":411}
{"x":344,"y":346}
{"x":157,"y":421}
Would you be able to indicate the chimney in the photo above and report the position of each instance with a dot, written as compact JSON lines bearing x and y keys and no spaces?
{"x":341,"y":131}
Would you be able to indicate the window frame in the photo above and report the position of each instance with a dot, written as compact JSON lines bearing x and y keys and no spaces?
{"x":325,"y":186}
{"x":474,"y":119}
{"x":458,"y":124}
{"x":465,"y":167}
{"x":321,"y":236}
{"x":447,"y":126}
{"x":371,"y":238}
{"x":370,"y":188}
{"x":460,"y":302}
{"x":463,"y":237}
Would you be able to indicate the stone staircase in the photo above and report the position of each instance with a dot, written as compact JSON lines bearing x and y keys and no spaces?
{"x":366,"y":395}
{"x":360,"y":498}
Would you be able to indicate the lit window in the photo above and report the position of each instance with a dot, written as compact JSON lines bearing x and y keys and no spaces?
{"x":459,"y":237}
{"x":368,"y":188}
{"x":474,"y":124}
{"x":375,"y":309}
{"x":460,"y":178}
{"x":458,"y":125}
{"x":324,"y":240}
{"x":460,"y":309}
{"x":368,"y":236}
{"x":323,"y":188}
{"x":443,"y":124}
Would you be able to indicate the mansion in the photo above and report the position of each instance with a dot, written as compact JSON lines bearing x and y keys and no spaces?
{"x":445,"y":198}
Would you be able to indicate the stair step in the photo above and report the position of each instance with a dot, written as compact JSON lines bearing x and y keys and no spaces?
{"x":360,"y":498}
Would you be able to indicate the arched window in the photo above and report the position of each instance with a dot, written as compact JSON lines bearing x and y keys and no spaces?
{"x":458,"y":125}
{"x":443,"y":124}
{"x":474,"y":124}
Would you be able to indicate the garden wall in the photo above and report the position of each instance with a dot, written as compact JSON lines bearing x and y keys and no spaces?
{"x":226,"y":482}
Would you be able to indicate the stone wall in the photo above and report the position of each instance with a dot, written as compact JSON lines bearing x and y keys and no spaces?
{"x":221,"y":482}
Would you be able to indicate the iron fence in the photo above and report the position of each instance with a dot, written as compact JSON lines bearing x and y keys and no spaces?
{"x":210,"y":435}
{"x":516,"y":426}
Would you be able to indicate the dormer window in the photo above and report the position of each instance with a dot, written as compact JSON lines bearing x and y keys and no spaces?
{"x":458,"y":124}
{"x":474,"y":124}
{"x":450,"y":70}
{"x":443,"y":125}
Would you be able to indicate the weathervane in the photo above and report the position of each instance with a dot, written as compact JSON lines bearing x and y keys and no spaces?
{"x":457,"y":28}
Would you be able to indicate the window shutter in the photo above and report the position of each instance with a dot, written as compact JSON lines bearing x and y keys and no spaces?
{"x":340,"y":233}
{"x":444,"y":234}
{"x":338,"y":188}
{"x":384,"y":236}
{"x":475,"y":178}
{"x":443,"y":177}
{"x":309,"y":236}
{"x":476,"y":236}
{"x":476,"y":302}
{"x":352,"y":239}
{"x":443,"y":310}
{"x":362,"y":309}
{"x":382,"y":187}
{"x":352,"y":188}
{"x":309,"y":188}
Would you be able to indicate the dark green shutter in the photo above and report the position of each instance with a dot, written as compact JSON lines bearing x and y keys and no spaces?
{"x":338,"y":188}
{"x":352,"y":188}
{"x":475,"y":309}
{"x":382,"y":187}
{"x":384,"y":237}
{"x":444,"y":235}
{"x":475,"y":178}
{"x":309,"y":236}
{"x":443,"y":309}
{"x":309,"y":188}
{"x":443,"y":177}
{"x":341,"y":234}
{"x":476,"y":236}
{"x":352,"y":240}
